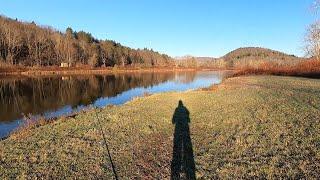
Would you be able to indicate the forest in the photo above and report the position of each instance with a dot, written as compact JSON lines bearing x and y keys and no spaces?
{"x":32,"y":45}
{"x":26,"y":44}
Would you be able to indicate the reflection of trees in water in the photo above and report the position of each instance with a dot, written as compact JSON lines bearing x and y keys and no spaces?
{"x":185,"y":77}
{"x":38,"y":95}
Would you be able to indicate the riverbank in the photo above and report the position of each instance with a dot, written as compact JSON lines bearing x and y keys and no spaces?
{"x":49,"y":71}
{"x":307,"y":68}
{"x":247,"y":127}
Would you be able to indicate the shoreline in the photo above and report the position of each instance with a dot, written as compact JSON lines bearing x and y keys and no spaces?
{"x":93,"y":71}
{"x":35,"y":123}
{"x":66,"y":115}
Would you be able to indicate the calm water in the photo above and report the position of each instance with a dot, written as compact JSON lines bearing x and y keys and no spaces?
{"x":56,"y":96}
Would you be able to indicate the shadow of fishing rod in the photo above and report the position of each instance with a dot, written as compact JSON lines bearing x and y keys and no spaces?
{"x":106,"y":145}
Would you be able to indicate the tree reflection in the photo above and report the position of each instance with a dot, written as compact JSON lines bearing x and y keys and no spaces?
{"x":38,"y":95}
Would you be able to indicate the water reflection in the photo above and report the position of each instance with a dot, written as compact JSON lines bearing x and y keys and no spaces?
{"x":54,"y":96}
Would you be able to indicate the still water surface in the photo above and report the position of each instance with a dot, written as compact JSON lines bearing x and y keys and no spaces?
{"x":61,"y":95}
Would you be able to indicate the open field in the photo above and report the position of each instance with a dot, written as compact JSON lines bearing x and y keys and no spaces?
{"x":247,"y":127}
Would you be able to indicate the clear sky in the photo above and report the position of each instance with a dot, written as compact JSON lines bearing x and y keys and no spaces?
{"x":177,"y":27}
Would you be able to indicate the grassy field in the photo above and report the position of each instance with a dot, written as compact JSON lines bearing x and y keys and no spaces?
{"x":247,"y":127}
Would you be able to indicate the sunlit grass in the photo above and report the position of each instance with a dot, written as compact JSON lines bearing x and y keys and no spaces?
{"x":247,"y":127}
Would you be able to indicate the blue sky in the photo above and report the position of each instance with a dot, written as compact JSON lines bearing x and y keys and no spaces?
{"x":177,"y":27}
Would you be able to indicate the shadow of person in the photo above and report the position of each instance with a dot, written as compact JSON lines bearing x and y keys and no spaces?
{"x":182,"y":164}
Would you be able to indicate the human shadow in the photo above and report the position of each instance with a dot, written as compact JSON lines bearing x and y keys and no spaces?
{"x":182,"y":164}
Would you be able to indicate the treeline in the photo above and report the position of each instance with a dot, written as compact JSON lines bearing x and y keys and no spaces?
{"x":27,"y":44}
{"x":200,"y":62}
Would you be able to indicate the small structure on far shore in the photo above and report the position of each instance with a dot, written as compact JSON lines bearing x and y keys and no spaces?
{"x":65,"y":65}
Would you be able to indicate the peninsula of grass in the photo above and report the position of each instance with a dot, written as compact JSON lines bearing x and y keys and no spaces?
{"x":247,"y":127}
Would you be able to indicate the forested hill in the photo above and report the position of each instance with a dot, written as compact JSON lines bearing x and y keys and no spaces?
{"x":241,"y":57}
{"x":27,"y":44}
{"x":256,"y":55}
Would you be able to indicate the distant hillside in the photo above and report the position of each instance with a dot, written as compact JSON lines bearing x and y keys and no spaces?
{"x":253,"y":56}
{"x":28,"y":44}
{"x":200,"y":62}
{"x":242,"y":57}
{"x":205,"y":59}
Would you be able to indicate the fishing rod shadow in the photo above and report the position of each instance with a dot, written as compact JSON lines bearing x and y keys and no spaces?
{"x":105,"y":142}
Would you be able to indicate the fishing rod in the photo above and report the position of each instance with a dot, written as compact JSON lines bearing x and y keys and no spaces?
{"x":107,"y":147}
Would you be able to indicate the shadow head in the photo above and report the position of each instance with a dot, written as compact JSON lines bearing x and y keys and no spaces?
{"x":180,"y":103}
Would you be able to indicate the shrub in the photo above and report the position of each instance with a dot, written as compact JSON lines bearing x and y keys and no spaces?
{"x":308,"y":68}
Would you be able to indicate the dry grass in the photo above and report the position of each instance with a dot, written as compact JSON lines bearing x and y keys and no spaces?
{"x":259,"y":127}
{"x":30,"y":123}
{"x":308,"y":68}
{"x":146,"y":94}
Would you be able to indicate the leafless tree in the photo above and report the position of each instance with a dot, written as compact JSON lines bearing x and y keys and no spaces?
{"x":316,"y":5}
{"x":313,"y":40}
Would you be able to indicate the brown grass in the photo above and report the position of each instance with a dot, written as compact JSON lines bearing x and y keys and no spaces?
{"x":146,"y":94}
{"x":308,"y":68}
{"x":30,"y":123}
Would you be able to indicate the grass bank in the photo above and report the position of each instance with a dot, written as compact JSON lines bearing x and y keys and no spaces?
{"x":247,"y":127}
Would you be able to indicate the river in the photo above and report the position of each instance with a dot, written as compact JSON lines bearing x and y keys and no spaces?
{"x":56,"y":96}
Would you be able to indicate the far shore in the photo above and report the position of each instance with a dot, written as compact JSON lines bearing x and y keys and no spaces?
{"x":48,"y":71}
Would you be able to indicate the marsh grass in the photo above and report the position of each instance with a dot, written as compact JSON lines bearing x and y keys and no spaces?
{"x":307,"y":68}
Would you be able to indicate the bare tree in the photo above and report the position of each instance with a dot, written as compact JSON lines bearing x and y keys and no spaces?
{"x":316,"y":5}
{"x":312,"y":38}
